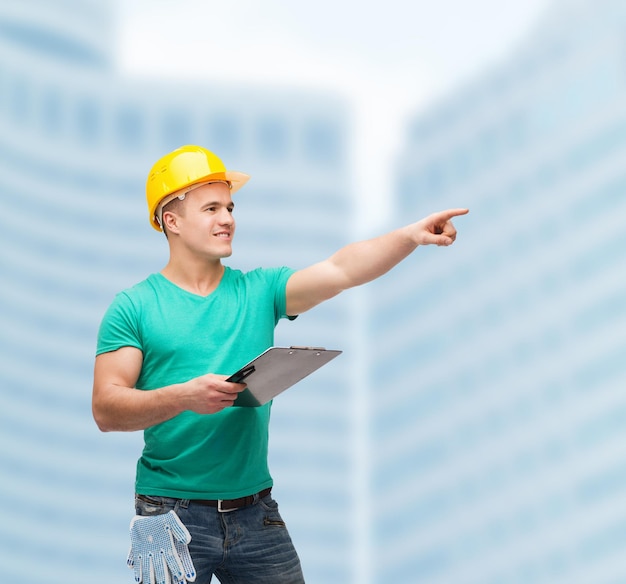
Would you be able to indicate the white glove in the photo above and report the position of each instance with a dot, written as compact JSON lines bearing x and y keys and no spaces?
{"x":158,"y":550}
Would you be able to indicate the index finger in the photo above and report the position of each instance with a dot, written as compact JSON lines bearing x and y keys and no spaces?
{"x":449,"y":213}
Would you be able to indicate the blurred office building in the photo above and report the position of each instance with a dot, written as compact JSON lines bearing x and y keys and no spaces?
{"x":499,"y":440}
{"x":76,"y":143}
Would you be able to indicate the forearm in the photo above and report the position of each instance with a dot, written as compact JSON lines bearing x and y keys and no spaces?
{"x":125,"y":409}
{"x":364,"y":261}
{"x":353,"y":265}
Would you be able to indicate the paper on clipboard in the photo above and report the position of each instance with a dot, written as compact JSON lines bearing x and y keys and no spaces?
{"x":277,"y":369}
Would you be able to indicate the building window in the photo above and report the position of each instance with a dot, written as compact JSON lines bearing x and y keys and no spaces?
{"x":55,"y":45}
{"x":321,"y":144}
{"x":272,"y":138}
{"x":176,"y":130}
{"x":19,"y":100}
{"x":225,"y":135}
{"x":460,"y":165}
{"x":517,"y":130}
{"x":434,"y":178}
{"x":88,"y":121}
{"x":129,"y":126}
{"x":488,"y":147}
{"x":51,"y":112}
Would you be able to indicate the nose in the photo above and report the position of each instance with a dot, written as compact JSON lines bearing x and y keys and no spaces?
{"x":226,"y":217}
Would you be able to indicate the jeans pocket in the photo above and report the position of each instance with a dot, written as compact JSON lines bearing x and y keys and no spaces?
{"x":146,"y":505}
{"x":272,"y":516}
{"x":268,"y":503}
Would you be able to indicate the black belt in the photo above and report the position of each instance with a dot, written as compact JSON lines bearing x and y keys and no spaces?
{"x":224,"y":505}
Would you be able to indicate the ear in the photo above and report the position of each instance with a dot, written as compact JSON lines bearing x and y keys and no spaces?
{"x":170,"y":221}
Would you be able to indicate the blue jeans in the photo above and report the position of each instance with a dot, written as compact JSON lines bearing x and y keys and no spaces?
{"x":250,"y":545}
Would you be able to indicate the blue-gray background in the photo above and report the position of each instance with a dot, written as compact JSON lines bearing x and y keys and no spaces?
{"x":473,"y":430}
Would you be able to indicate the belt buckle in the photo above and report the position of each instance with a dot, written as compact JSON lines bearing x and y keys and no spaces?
{"x":221,"y":509}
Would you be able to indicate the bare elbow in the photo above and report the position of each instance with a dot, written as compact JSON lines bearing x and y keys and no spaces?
{"x":101,"y":420}
{"x":114,"y":373}
{"x":103,"y":427}
{"x":101,"y":415}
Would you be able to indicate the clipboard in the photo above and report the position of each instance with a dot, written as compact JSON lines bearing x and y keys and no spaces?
{"x":277,"y":369}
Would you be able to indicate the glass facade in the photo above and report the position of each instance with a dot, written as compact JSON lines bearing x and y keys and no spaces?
{"x":76,"y":145}
{"x":499,"y":449}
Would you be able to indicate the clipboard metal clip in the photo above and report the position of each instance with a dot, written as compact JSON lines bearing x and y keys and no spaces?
{"x":242,"y":374}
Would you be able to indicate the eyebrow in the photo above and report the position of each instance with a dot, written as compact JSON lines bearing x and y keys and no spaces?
{"x":231,"y":204}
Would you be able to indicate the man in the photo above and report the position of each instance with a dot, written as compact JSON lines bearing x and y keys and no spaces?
{"x":165,"y":349}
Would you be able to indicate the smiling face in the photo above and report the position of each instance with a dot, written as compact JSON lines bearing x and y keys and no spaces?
{"x":203,"y":222}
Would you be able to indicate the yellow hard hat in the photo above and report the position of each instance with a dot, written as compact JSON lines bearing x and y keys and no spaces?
{"x":184,"y":167}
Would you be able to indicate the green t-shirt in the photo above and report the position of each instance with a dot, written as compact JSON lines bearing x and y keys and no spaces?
{"x":182,"y":336}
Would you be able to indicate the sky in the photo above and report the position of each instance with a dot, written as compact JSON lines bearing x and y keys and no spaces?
{"x":389,"y":60}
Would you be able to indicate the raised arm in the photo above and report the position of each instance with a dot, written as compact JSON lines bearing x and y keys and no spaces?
{"x":364,"y":261}
{"x":118,"y":405}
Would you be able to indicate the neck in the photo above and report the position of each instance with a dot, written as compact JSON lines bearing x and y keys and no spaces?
{"x":201,"y":279}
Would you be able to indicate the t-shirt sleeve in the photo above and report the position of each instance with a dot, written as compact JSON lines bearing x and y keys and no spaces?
{"x":119,"y":327}
{"x":281,"y":276}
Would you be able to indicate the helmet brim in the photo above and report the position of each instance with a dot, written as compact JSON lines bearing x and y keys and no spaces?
{"x":235,"y":179}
